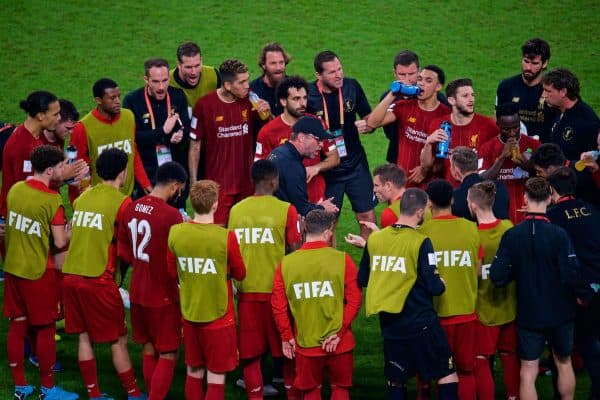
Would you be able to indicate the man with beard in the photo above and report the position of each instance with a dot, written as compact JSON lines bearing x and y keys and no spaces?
{"x":468,"y":128}
{"x":413,"y":117}
{"x":575,"y":129}
{"x":291,"y":94}
{"x":223,"y":126}
{"x":505,"y":157}
{"x":161,"y":121}
{"x":272,"y":61}
{"x":525,"y":89}
{"x":105,"y":127}
{"x":195,"y":79}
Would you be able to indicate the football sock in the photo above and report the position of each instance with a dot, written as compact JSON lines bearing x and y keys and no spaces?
{"x":46,"y":353}
{"x":313,"y":394}
{"x":89,"y":375}
{"x":483,"y":379}
{"x":215,"y":391}
{"x":253,"y":378}
{"x":128,"y":382}
{"x":339,"y":393}
{"x":510,"y":364}
{"x":466,"y":386}
{"x":161,"y":380}
{"x":148,"y":366}
{"x":15,"y":342}
{"x":193,"y":388}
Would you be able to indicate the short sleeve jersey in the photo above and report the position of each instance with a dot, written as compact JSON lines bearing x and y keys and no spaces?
{"x":143,"y":236}
{"x":227,"y":135}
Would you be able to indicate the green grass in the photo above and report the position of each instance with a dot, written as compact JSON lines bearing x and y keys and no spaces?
{"x":65,"y":46}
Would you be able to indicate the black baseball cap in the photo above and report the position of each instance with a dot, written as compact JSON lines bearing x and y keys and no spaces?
{"x":311,"y":126}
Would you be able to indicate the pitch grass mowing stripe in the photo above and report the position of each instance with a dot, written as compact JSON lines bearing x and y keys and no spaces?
{"x":65,"y":46}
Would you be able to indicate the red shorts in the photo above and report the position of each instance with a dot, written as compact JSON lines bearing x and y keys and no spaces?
{"x":461,"y":338}
{"x":257,"y":330}
{"x":309,"y":370}
{"x":316,"y":189}
{"x":94,"y":306}
{"x":213,"y":349}
{"x":160,"y":326}
{"x":34,"y":299}
{"x":59,"y":294}
{"x":226,"y":201}
{"x":502,"y":338}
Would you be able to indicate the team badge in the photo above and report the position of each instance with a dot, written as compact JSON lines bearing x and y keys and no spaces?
{"x":219,"y":118}
{"x":282,"y":141}
{"x":412,"y":120}
{"x":473,"y":140}
{"x":348,"y":106}
{"x":568,"y":134}
{"x":146,"y":118}
{"x":319,"y":114}
{"x":245,"y":115}
{"x":516,"y":99}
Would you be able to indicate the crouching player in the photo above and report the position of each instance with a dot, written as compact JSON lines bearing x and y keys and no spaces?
{"x":399,"y":267}
{"x":35,"y":216}
{"x":93,"y":305}
{"x":205,"y":256}
{"x":318,"y":285}
{"x":496,"y":307}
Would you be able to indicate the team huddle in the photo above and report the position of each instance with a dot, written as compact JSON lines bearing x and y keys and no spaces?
{"x":474,"y":255}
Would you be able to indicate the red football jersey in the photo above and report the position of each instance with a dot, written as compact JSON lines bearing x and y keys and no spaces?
{"x":515,"y":185}
{"x":277,"y":132}
{"x":143,"y":236}
{"x":480,"y":130}
{"x":226,"y":131}
{"x":413,"y":124}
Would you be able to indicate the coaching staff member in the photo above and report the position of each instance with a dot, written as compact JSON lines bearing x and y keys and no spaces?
{"x":305,"y":141}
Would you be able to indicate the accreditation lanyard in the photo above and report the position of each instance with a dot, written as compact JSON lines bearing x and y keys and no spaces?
{"x":325,"y":112}
{"x":149,"y":106}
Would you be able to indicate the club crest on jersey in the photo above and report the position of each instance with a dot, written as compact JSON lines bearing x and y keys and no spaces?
{"x":412,"y":120}
{"x":124,"y":145}
{"x":473,"y":140}
{"x":308,"y":290}
{"x":244,"y":115}
{"x":24,"y":224}
{"x":219,"y":118}
{"x":568,"y":134}
{"x":197,"y":265}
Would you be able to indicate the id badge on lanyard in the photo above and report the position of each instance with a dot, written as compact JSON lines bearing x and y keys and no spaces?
{"x":338,"y":134}
{"x":163,"y":154}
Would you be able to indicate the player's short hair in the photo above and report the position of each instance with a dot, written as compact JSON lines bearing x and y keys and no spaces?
{"x":37,"y":102}
{"x":169,"y":172}
{"x":405,"y":58}
{"x":203,"y":195}
{"x":438,"y":71}
{"x":464,"y":158}
{"x":537,"y":189}
{"x":456,"y":84}
{"x":323,"y":57}
{"x":154,"y":63}
{"x":101,"y":85}
{"x":68,"y":112}
{"x":45,"y":156}
{"x":391,"y":173}
{"x":318,"y":221}
{"x":548,"y":155}
{"x":413,"y":199}
{"x":229,"y":69}
{"x":536,"y":47}
{"x":273,"y":47}
{"x":563,"y":180}
{"x":506,"y":109}
{"x":440,"y":193}
{"x":264,"y":170}
{"x":188,"y":49}
{"x":283,"y":88}
{"x":483,"y":194}
{"x":562,"y":78}
{"x":110,"y":163}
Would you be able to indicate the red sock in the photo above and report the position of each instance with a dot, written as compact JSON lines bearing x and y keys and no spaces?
{"x":46,"y":353}
{"x":483,"y":379}
{"x":253,"y":378}
{"x":215,"y":391}
{"x":339,"y":393}
{"x":313,"y":394}
{"x":129,"y":383}
{"x":193,"y":388}
{"x":510,"y":364}
{"x":90,"y":377}
{"x":161,"y":380}
{"x":292,"y":393}
{"x":15,"y":343}
{"x":148,"y":365}
{"x":466,"y":386}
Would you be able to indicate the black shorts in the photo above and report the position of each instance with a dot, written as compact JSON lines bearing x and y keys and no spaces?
{"x":427,"y":354}
{"x":357,"y":184}
{"x":532,"y":341}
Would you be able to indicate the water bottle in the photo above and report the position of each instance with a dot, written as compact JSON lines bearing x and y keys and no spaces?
{"x":406,"y":90}
{"x":443,"y":147}
{"x":253,"y":97}
{"x":591,"y":155}
{"x":71,"y":153}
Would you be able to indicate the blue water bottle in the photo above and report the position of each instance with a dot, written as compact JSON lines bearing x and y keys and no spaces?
{"x":406,"y":90}
{"x":443,"y":147}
